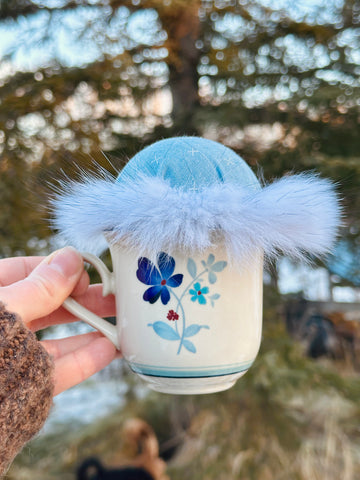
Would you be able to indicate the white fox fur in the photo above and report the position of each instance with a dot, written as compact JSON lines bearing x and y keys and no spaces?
{"x":298,"y":215}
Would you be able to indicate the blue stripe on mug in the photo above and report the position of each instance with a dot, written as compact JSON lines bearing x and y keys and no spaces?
{"x":190,"y":372}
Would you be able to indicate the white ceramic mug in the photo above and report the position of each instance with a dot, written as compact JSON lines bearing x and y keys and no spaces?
{"x":186,"y":325}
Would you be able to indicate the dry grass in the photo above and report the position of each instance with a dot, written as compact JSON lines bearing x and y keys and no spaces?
{"x":289,"y":418}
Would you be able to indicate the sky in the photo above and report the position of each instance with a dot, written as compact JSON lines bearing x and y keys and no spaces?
{"x":63,"y":43}
{"x":75,"y":38}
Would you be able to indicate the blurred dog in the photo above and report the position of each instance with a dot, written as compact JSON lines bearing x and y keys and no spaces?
{"x":92,"y":469}
{"x":146,"y":465}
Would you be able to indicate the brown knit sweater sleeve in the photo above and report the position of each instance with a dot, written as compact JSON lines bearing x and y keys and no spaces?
{"x":26,"y":386}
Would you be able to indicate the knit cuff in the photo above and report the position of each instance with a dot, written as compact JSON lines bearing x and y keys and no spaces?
{"x":26,"y":386}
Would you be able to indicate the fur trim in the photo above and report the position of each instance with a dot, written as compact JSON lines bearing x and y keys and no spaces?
{"x":297,"y":215}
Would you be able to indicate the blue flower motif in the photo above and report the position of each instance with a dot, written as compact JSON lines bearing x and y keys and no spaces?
{"x":198,"y":293}
{"x":160,"y":279}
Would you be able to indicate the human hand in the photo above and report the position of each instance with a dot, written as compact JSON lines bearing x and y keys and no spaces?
{"x":36,"y":287}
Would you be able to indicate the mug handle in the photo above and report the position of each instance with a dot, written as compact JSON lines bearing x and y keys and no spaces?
{"x":108,"y":280}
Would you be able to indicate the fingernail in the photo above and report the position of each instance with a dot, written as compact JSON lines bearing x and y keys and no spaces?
{"x":66,"y":261}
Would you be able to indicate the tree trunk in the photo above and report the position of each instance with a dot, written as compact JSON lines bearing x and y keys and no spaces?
{"x":274,"y":276}
{"x":183,"y":29}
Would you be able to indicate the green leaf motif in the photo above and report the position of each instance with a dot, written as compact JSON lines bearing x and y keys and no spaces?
{"x":211,"y":259}
{"x":215,"y":296}
{"x":192,"y":330}
{"x":189,"y":346}
{"x":212,"y":277}
{"x":164,"y":331}
{"x":218,"y":266}
{"x":191,"y":266}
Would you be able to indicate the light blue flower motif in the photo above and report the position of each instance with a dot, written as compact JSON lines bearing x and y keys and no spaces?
{"x":162,"y":282}
{"x":198,"y":293}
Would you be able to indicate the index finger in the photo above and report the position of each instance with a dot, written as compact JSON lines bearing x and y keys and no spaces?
{"x":17,"y":268}
{"x":82,"y":362}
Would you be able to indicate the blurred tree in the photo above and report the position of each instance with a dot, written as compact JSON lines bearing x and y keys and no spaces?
{"x":280,"y":85}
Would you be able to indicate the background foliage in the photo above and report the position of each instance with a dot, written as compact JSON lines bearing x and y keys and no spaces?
{"x":280,"y":85}
{"x":288,"y":418}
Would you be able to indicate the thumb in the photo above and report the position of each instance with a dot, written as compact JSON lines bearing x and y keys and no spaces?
{"x":46,"y":288}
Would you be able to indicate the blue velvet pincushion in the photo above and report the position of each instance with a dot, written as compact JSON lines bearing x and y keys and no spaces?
{"x":189,"y":193}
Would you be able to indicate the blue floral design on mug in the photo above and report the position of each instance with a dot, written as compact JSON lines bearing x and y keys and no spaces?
{"x":163,"y":281}
{"x":198,"y":293}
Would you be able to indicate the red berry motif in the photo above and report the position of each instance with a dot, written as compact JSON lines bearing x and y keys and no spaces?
{"x":172,"y":315}
{"x":160,"y":280}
